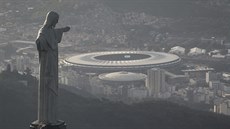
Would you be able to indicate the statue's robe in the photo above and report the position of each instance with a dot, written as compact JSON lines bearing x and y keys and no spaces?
{"x":47,"y":46}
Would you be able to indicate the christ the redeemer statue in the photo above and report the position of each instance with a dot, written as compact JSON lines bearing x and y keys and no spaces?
{"x":47,"y":46}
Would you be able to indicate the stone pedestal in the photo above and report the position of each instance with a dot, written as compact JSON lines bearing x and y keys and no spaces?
{"x":58,"y":125}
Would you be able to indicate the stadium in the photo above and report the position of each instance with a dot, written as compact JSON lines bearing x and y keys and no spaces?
{"x":109,"y":61}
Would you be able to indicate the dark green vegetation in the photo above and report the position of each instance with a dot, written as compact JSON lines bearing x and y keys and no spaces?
{"x":188,"y":17}
{"x":167,"y":8}
{"x":193,"y":17}
{"x":19,"y":102}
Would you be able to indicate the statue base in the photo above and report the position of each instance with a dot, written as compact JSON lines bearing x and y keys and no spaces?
{"x":58,"y":125}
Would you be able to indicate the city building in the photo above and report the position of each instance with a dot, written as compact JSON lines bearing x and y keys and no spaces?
{"x":196,"y":51}
{"x":202,"y":95}
{"x":19,"y":63}
{"x":211,"y":76}
{"x":219,"y":56}
{"x":22,"y":62}
{"x":156,"y":82}
{"x":120,"y":85}
{"x":225,"y":87}
{"x":217,"y":87}
{"x":174,"y":79}
{"x":222,"y":106}
{"x":177,"y":50}
{"x":138,"y":93}
{"x":226,"y":76}
{"x":2,"y":55}
{"x":199,"y":73}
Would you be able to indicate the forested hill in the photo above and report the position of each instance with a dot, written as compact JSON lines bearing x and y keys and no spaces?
{"x":208,"y":18}
{"x":171,"y":8}
{"x":19,"y":105}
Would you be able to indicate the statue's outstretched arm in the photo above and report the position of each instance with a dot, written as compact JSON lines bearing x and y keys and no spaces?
{"x":59,"y":32}
{"x":66,"y":29}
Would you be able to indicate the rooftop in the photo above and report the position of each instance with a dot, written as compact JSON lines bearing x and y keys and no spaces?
{"x":123,"y":60}
{"x":122,"y":76}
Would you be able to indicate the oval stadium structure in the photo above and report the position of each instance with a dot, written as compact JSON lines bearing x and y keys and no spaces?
{"x":122,"y":60}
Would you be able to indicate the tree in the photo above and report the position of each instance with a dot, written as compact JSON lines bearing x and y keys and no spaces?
{"x":28,"y":71}
{"x":8,"y":68}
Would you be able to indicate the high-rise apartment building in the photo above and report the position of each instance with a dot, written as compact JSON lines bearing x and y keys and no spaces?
{"x":156,"y":82}
{"x":211,"y":76}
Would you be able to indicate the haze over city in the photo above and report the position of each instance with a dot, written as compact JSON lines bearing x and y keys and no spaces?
{"x":137,"y":64}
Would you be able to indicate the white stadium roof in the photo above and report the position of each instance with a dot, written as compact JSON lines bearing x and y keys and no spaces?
{"x":122,"y":60}
{"x":122,"y":76}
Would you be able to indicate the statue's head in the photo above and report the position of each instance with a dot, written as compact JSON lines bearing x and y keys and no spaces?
{"x":51,"y":19}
